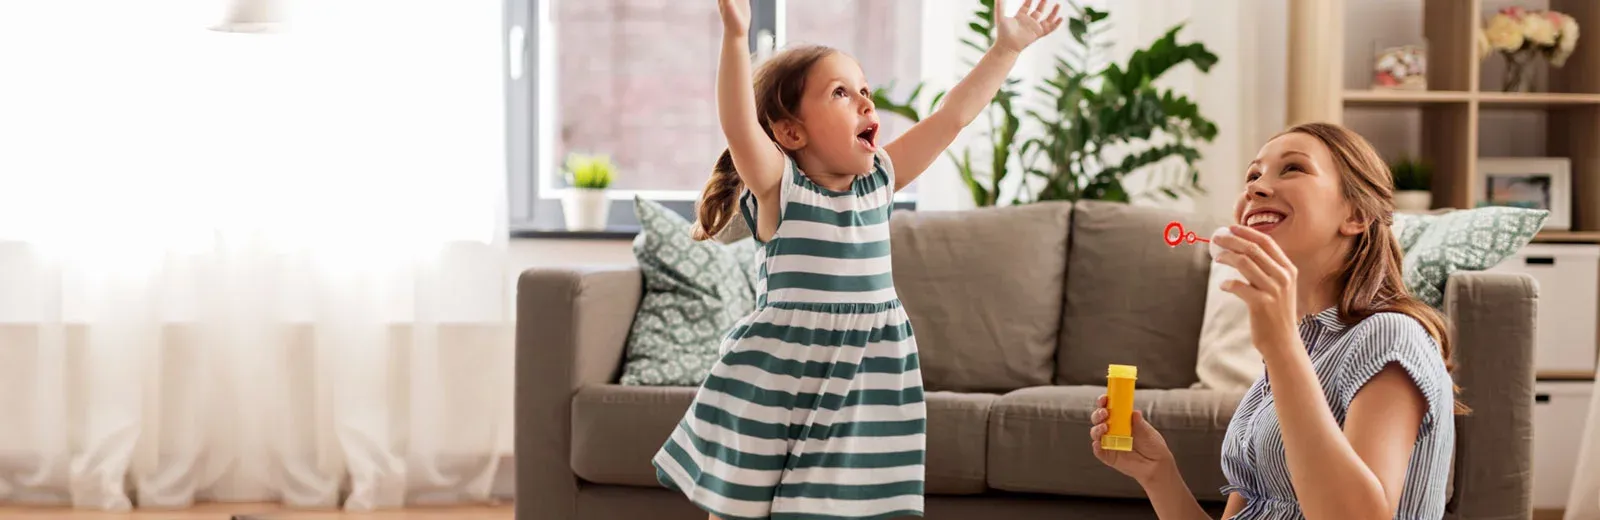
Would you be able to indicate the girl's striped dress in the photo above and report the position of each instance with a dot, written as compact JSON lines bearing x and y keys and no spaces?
{"x":816,"y":408}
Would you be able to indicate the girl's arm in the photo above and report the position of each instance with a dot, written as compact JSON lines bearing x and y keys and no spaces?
{"x":921,"y":144}
{"x":758,"y":161}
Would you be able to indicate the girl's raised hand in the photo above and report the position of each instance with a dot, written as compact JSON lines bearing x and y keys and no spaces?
{"x":735,"y":17}
{"x":1018,"y":31}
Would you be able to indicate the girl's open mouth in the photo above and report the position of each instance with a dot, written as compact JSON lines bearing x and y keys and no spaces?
{"x":869,"y":137}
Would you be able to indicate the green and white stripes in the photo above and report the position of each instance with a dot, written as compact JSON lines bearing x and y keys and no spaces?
{"x":815,"y":409}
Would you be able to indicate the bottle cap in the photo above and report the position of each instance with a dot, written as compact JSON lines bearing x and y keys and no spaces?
{"x":1116,"y":442}
{"x":1123,"y":371}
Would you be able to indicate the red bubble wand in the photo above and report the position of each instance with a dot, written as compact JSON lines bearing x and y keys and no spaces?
{"x":1174,"y":235}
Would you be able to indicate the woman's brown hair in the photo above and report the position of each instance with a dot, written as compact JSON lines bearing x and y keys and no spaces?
{"x":1371,"y":275}
{"x":780,"y":82}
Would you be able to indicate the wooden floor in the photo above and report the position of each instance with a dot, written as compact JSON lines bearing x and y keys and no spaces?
{"x":263,"y":512}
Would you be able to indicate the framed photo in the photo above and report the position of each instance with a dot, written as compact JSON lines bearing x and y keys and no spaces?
{"x":1528,"y":182}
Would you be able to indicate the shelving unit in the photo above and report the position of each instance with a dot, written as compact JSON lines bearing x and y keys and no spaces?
{"x":1452,"y":107}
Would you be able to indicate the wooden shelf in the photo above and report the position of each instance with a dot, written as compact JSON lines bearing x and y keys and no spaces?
{"x":1568,"y":237}
{"x":1563,"y":375}
{"x":1535,"y":99}
{"x":1403,"y":97}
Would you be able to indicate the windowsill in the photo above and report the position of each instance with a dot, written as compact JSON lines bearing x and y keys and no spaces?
{"x":610,"y":233}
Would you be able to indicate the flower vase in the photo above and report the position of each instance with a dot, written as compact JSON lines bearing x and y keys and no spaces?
{"x":1519,"y":71}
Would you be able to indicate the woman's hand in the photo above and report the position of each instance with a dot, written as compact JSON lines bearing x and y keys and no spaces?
{"x":1271,"y":292}
{"x":735,"y":17}
{"x":1149,"y":456}
{"x":1030,"y":23}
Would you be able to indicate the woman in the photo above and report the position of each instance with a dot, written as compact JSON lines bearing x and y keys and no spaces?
{"x":1352,"y":418}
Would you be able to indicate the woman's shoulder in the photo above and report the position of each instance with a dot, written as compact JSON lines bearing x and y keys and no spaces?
{"x":1386,"y":338}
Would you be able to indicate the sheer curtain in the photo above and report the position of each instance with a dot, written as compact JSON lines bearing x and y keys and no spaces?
{"x":252,"y":267}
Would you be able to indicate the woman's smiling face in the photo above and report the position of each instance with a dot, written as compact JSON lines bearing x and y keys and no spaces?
{"x":1293,"y":193}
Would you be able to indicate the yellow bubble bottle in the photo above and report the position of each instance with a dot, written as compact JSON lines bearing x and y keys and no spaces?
{"x":1119,"y":403}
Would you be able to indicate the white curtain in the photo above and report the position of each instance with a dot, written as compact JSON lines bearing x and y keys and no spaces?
{"x":244,"y":267}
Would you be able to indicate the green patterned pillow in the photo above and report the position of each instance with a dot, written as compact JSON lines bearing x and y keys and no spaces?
{"x":694,"y":292}
{"x":1465,"y":240}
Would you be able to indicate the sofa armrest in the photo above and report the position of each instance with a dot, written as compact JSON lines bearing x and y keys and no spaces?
{"x":1494,"y":319}
{"x":572,"y":325}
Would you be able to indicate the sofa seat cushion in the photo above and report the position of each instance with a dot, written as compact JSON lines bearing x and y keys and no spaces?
{"x":617,"y":429}
{"x":1039,"y":440}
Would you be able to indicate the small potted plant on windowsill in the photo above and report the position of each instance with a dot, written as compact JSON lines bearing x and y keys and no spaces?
{"x":1413,"y":185}
{"x":585,"y":204}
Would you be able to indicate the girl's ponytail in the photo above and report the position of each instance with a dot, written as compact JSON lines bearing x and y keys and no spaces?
{"x":717,"y":202}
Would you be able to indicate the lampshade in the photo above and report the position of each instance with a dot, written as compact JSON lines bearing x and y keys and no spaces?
{"x":254,"y":16}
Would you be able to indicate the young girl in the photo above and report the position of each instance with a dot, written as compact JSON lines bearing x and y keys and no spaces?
{"x":816,"y":408}
{"x":1354,"y":415}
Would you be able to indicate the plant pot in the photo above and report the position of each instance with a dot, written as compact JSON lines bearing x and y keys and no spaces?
{"x":1413,"y":200}
{"x":585,"y":209}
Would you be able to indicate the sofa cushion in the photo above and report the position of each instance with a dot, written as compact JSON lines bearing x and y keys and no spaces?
{"x":1039,"y":440}
{"x":983,"y":289}
{"x":1130,"y":298}
{"x":617,"y":429}
{"x":693,"y":293}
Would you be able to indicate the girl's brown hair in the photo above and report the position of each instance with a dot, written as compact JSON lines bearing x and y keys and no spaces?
{"x":1371,"y":276}
{"x":780,"y":82}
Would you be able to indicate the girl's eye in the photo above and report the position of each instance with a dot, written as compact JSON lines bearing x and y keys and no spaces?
{"x":866,"y":93}
{"x":838,"y":92}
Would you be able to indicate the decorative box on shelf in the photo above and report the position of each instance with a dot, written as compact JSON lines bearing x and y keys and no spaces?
{"x":1569,"y":287}
{"x":1560,"y":410}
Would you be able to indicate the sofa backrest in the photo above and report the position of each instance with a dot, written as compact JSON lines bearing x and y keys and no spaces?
{"x":1049,"y":294}
{"x":1130,"y":298}
{"x":984,"y":291}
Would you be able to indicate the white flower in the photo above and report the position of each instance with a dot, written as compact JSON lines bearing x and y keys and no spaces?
{"x":1569,"y":33}
{"x":1483,"y":45}
{"x":1569,"y":41}
{"x":1539,"y":30}
{"x":1504,"y":33}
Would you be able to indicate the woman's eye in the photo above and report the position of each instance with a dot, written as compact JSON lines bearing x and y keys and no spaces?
{"x":1292,"y":167}
{"x":1252,"y":176}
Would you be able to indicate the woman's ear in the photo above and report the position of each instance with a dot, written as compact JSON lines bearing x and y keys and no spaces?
{"x":791,"y":136}
{"x":1354,"y":225}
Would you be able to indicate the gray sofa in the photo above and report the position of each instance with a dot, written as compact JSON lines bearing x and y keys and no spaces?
{"x":1017,"y":312}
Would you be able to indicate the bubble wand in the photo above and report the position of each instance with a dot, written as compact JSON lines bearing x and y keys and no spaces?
{"x":1174,"y":235}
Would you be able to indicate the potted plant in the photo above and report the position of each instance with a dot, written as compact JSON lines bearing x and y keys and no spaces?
{"x":585,"y":204}
{"x":1095,"y":122}
{"x":1413,"y":185}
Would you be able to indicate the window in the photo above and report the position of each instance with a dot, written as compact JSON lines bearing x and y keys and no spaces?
{"x":636,"y":80}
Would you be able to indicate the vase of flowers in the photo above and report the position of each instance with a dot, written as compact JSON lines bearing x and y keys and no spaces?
{"x":585,"y":204}
{"x":1523,"y":37}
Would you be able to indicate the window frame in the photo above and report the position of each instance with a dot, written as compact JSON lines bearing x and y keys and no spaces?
{"x":534,"y":210}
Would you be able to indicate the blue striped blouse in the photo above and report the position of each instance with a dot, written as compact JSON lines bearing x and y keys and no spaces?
{"x":1345,"y":358}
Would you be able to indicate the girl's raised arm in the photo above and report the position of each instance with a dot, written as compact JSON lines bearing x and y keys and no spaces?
{"x":758,"y":160}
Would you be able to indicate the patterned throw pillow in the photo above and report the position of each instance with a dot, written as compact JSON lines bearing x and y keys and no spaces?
{"x":694,"y":293}
{"x":1465,"y":240}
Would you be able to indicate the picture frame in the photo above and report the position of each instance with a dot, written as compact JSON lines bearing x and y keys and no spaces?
{"x":1528,"y":182}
